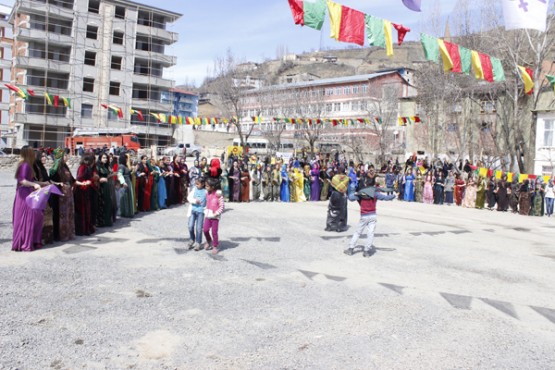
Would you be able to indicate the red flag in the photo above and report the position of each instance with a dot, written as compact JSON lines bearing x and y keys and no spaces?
{"x":531,"y":73}
{"x":453,"y":50}
{"x":56,"y":100}
{"x":401,"y":32}
{"x":104,"y":106}
{"x":140,"y":115}
{"x":486,"y":66}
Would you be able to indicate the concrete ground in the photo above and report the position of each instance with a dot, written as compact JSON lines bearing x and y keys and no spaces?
{"x":448,"y":288}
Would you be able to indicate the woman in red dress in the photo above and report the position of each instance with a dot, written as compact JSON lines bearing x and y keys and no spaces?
{"x":459,"y":189}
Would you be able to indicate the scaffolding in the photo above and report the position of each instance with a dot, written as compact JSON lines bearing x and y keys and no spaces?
{"x":137,"y":28}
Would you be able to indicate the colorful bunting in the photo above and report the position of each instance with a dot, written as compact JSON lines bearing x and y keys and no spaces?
{"x":17,"y":90}
{"x":430,"y":46}
{"x":378,"y":32}
{"x":401,"y":32}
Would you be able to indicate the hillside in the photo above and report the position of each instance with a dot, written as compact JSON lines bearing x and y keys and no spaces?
{"x":330,"y":63}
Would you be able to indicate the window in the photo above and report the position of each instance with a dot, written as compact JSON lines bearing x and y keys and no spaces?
{"x":114,"y":88}
{"x":452,"y":127}
{"x":90,"y":58}
{"x":86,"y":110}
{"x":92,"y":32}
{"x":112,"y":116}
{"x":94,"y":6}
{"x":355,"y":89}
{"x":364,"y":89}
{"x":548,"y":133}
{"x":120,"y":12}
{"x":88,"y":84}
{"x":337,"y":91}
{"x":118,"y":37}
{"x":346,"y":90}
{"x":116,"y":62}
{"x":336,"y":107}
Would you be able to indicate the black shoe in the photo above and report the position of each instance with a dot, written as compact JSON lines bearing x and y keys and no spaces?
{"x":369,"y":253}
{"x":348,"y":252}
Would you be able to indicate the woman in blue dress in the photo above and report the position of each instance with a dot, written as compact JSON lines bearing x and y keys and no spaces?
{"x":409,"y":186}
{"x":284,"y":193}
{"x":162,"y":191}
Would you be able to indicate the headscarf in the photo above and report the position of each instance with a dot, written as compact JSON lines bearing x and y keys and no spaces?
{"x":58,"y":156}
{"x":40,"y":170}
{"x":340,"y":182}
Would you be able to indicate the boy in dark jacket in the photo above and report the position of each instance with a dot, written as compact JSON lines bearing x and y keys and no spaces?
{"x":367,"y":198}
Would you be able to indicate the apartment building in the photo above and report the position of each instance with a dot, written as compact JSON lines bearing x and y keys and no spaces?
{"x":102,"y":58}
{"x":5,"y":68}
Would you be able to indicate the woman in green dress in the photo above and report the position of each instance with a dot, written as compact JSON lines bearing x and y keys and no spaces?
{"x":481,"y":193}
{"x":105,"y":211}
{"x":127,"y":200}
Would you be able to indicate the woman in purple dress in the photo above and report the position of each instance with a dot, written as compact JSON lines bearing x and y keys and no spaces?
{"x":315,"y":182}
{"x":27,"y":222}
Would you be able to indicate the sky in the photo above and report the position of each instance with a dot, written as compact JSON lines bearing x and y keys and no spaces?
{"x":253,"y":30}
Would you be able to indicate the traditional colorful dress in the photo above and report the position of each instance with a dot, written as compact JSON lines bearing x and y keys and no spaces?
{"x":298,"y":183}
{"x":409,"y":188}
{"x":144,"y":187}
{"x":63,"y":207}
{"x":469,"y":200}
{"x":459,"y":191}
{"x":82,"y":196}
{"x":127,"y":201}
{"x":26,"y":222}
{"x":284,"y":194}
{"x":235,"y":184}
{"x":428,"y":193}
{"x":418,"y":189}
{"x":154,"y":178}
{"x":105,"y":202}
{"x":245,"y":183}
{"x":502,"y":195}
{"x":481,"y":194}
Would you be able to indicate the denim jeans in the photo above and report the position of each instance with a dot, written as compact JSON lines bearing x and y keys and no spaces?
{"x":196,"y":221}
{"x":549,"y":205}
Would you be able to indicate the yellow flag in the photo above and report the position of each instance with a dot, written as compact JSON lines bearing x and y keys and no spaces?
{"x":546,"y":179}
{"x":477,"y":65}
{"x":483,"y":172}
{"x":447,"y":61}
{"x":334,"y":10}
{"x":522,"y":177}
{"x":388,"y":39}
{"x":510,"y":177}
{"x":527,"y":79}
{"x":498,"y":174}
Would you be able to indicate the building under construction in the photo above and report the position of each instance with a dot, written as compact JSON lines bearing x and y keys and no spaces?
{"x":90,"y":64}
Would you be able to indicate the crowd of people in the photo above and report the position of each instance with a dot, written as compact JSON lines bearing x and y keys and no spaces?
{"x":105,"y":187}
{"x":108,"y":186}
{"x":416,"y":180}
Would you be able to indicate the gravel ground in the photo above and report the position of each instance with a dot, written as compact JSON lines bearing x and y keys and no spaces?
{"x":448,"y":288}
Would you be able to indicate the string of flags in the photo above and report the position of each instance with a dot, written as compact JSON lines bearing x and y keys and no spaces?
{"x":347,"y":24}
{"x":403,"y":121}
{"x":52,"y":100}
{"x":22,"y":92}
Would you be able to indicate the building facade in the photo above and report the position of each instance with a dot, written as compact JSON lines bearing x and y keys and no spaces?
{"x":6,"y":39}
{"x":105,"y":57}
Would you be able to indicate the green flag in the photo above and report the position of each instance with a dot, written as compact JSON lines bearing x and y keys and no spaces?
{"x":551,"y":80}
{"x":375,"y":31}
{"x":431,"y":47}
{"x":498,"y":72}
{"x":466,"y":59}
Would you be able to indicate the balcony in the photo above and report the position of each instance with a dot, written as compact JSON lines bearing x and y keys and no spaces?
{"x":42,"y":64}
{"x":38,"y":7}
{"x":165,"y":60}
{"x":164,"y":35}
{"x":28,"y":34}
{"x":42,"y":119}
{"x":153,"y":80}
{"x":152,"y":105}
{"x":153,"y":129}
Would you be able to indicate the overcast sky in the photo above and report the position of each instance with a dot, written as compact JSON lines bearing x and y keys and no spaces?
{"x":254,"y":29}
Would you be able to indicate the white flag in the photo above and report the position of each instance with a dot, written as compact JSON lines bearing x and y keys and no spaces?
{"x":529,"y":14}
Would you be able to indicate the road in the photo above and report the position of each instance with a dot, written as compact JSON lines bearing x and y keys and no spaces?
{"x":447,"y":288}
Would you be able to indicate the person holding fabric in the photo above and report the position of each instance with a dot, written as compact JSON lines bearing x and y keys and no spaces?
{"x":84,"y":221}
{"x":26,"y":222}
{"x":337,"y":207}
{"x":409,"y":186}
{"x":127,"y":200}
{"x":43,"y":179}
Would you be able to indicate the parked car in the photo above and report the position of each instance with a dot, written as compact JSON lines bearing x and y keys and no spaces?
{"x":190,"y":150}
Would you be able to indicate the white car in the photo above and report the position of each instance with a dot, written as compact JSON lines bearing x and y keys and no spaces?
{"x":191,"y":150}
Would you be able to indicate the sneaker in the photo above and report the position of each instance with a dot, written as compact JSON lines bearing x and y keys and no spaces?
{"x":191,"y":244}
{"x":197,"y":247}
{"x":348,"y":251}
{"x":368,"y":253}
{"x":207,"y":246}
{"x":215,"y":250}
